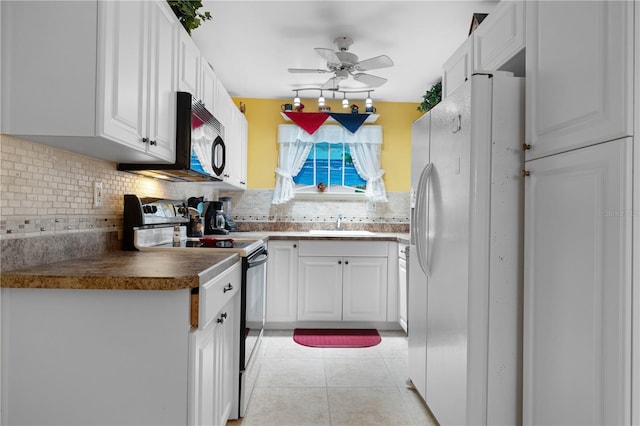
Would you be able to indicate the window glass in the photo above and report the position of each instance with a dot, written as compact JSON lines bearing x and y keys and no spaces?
{"x":332,"y":165}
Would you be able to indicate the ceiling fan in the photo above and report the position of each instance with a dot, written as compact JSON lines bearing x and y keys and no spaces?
{"x":344,"y":64}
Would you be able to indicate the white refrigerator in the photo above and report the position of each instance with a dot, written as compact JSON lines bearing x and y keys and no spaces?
{"x":465,"y":258}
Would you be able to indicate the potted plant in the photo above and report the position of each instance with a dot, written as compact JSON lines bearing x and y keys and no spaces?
{"x":431,"y":97}
{"x":322,"y":187}
{"x":187,"y":13}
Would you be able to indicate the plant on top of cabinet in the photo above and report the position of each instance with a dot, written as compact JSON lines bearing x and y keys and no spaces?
{"x":187,"y":13}
{"x":431,"y":97}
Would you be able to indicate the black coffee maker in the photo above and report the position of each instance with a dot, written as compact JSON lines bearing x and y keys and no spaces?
{"x":214,"y":223}
{"x":226,"y":210}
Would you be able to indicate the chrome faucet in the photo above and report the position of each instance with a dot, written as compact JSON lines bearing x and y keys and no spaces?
{"x":339,"y":223}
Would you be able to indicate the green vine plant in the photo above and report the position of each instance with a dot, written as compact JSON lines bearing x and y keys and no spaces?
{"x":431,"y":98}
{"x":187,"y":13}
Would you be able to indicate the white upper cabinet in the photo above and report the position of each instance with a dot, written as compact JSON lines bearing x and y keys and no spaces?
{"x":579,"y":74}
{"x":139,"y":51}
{"x":93,"y":87}
{"x":458,"y":68}
{"x":209,"y":86}
{"x":500,"y":36}
{"x":189,"y":65}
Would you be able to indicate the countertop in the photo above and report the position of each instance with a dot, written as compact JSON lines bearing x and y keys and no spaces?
{"x":124,"y":270}
{"x":305,"y":235}
{"x":160,"y":270}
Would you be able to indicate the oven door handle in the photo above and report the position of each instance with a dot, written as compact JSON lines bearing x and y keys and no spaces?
{"x":258,"y":259}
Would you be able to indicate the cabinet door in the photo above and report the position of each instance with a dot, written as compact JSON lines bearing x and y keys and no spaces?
{"x":577,"y":287}
{"x":209,"y":86}
{"x":579,"y":77}
{"x":189,"y":68}
{"x":500,"y":36}
{"x":402,"y":293}
{"x":124,"y":63}
{"x":282,"y":281}
{"x":204,"y":344}
{"x":364,"y":294}
{"x":163,"y":67}
{"x":458,"y":67}
{"x":320,"y":288}
{"x":225,"y":375}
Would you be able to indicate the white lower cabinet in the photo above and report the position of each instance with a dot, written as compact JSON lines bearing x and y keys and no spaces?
{"x":214,"y":369}
{"x":121,"y":357}
{"x":282,"y":281}
{"x":349,"y":287}
{"x":577,"y":298}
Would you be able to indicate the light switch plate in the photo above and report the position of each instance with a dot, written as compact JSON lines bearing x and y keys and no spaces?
{"x":97,"y":194}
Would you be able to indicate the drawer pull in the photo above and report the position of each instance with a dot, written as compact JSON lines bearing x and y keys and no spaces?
{"x":223,"y":316}
{"x":229,"y":287}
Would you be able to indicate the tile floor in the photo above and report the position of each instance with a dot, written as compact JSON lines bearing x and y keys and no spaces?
{"x":299,"y":385}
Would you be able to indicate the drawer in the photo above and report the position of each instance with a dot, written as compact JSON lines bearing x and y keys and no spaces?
{"x":342,"y":248}
{"x":216,"y":293}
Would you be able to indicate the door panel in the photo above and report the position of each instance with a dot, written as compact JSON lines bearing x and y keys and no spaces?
{"x":577,"y":287}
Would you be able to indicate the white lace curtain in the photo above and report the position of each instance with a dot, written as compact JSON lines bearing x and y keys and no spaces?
{"x":295,"y":144}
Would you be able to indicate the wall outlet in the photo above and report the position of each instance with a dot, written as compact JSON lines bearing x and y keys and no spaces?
{"x":97,"y":194}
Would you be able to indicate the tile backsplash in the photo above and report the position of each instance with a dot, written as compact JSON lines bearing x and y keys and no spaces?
{"x":46,"y":205}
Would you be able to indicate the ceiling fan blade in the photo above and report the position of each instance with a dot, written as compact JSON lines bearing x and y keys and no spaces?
{"x":331,"y":84}
{"x":369,"y":80}
{"x":328,"y":55}
{"x":382,"y":61}
{"x":306,"y":71}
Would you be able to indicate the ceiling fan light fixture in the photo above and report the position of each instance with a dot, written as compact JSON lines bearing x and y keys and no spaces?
{"x":321,"y":100}
{"x":368,"y":102}
{"x":296,"y":100}
{"x":345,"y":101}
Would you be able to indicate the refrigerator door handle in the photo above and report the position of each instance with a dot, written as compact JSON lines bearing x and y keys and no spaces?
{"x":421,"y":239}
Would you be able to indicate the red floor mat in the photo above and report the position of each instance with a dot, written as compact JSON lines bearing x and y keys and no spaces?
{"x":336,"y":338}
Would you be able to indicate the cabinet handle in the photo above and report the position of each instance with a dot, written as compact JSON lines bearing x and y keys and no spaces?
{"x":339,"y":262}
{"x":526,"y":146}
{"x":226,"y":176}
{"x":243,"y":183}
{"x":229,"y":287}
{"x":152,"y":142}
{"x":223,"y":315}
{"x":145,"y":140}
{"x":346,"y":262}
{"x":526,"y":173}
{"x":295,"y":246}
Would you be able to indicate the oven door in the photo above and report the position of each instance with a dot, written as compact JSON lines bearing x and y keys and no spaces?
{"x":254,"y":306}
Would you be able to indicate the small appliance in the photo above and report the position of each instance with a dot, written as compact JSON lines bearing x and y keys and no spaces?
{"x":226,"y":210}
{"x":200,"y":148}
{"x":214,"y":219}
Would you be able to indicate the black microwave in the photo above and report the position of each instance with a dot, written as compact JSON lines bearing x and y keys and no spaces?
{"x":200,"y":148}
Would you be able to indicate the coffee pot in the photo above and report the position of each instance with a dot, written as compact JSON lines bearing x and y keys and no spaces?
{"x":214,"y":221}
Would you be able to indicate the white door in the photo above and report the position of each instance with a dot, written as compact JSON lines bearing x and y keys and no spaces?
{"x":364,"y":289}
{"x":448,"y":257}
{"x":282,"y":281}
{"x":417,"y":323}
{"x":163,"y":67}
{"x":579,"y":77}
{"x":203,"y":370}
{"x":320,"y":288}
{"x":189,"y":70}
{"x":124,"y":46}
{"x":577,"y":287}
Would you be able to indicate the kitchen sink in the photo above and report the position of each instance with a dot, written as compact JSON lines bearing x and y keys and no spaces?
{"x":339,"y":233}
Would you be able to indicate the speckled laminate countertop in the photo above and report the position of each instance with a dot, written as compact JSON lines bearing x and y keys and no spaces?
{"x":305,"y":235}
{"x":124,"y":270}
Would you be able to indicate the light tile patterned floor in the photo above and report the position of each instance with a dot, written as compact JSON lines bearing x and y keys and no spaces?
{"x":299,"y":385}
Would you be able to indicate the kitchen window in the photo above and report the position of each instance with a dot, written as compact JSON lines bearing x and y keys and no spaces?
{"x":329,"y":155}
{"x":329,"y":168}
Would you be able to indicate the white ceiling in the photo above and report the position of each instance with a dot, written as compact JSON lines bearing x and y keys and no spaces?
{"x":251,"y":44}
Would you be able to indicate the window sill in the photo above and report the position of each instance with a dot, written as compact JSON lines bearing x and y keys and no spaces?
{"x":334,"y":196}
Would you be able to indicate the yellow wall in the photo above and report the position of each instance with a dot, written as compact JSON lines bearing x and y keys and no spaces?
{"x":263,"y":116}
